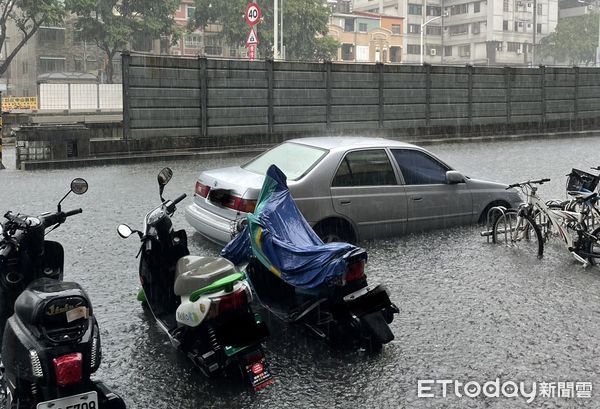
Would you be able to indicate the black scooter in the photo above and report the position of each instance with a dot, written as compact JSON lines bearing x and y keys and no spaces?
{"x":51,"y":342}
{"x":302,"y":280}
{"x":201,"y":303}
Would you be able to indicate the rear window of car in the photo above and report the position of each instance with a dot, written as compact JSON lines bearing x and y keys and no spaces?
{"x":294,"y":160}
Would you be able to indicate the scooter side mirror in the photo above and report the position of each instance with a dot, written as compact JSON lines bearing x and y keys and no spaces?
{"x":124,"y":231}
{"x":164,"y":176}
{"x":79,"y":186}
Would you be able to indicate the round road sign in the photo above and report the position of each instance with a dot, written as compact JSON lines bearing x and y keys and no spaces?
{"x":253,"y":14}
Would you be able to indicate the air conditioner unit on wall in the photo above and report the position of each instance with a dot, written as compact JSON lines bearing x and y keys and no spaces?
{"x":433,"y":51}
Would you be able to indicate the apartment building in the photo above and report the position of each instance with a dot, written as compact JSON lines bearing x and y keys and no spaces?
{"x":367,"y":37}
{"x":208,"y":42}
{"x":483,"y":32}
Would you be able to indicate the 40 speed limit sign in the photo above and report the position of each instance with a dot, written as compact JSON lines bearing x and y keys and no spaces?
{"x":253,"y":14}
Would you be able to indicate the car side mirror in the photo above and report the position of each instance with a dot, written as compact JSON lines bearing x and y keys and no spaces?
{"x":453,"y":177}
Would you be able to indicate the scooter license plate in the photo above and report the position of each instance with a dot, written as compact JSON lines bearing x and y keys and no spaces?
{"x":259,"y":375}
{"x":87,"y":400}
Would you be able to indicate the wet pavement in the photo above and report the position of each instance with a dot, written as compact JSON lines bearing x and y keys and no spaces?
{"x":469,"y":311}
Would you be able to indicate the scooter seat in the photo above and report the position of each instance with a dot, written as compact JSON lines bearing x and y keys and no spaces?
{"x":193,"y":272}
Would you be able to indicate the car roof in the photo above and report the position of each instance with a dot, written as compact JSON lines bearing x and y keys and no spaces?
{"x":346,"y":142}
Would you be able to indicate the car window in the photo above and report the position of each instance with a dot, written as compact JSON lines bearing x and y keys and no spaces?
{"x":293,"y":159}
{"x":419,"y":168}
{"x":365,"y":168}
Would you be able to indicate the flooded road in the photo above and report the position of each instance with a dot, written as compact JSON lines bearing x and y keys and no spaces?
{"x":469,"y":311}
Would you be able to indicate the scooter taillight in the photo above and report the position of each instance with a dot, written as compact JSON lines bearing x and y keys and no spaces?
{"x":356,"y":271}
{"x":68,"y":369}
{"x":231,"y":302}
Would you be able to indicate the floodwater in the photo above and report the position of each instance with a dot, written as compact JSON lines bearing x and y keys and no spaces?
{"x":469,"y":311}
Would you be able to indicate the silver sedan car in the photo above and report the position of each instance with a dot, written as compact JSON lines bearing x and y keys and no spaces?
{"x":349,"y":189}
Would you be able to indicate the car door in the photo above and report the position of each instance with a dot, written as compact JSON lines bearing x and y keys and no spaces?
{"x":432,"y":202}
{"x":365,"y":189}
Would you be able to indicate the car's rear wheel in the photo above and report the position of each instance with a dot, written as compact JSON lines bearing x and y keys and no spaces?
{"x":335,"y":231}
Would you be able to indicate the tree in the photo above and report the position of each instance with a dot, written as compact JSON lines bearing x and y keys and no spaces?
{"x":27,"y":16}
{"x":574,"y":40}
{"x":111,"y":24}
{"x":305,"y":26}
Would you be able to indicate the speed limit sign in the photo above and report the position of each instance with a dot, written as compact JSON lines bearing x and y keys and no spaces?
{"x":253,"y":14}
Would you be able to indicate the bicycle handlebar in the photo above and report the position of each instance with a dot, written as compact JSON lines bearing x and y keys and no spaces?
{"x":58,"y":217}
{"x":529,"y":182}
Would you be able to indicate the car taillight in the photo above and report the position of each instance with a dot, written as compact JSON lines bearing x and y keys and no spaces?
{"x":356,"y":271}
{"x":202,"y":190}
{"x":230,"y":302}
{"x":244,"y":205}
{"x":68,"y":369}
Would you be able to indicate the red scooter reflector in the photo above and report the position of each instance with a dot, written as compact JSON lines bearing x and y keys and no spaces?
{"x":68,"y":369}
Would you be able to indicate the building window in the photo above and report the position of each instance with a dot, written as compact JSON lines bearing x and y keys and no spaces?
{"x":539,"y":9}
{"x":459,"y":9}
{"x":477,"y":7}
{"x":395,"y":54}
{"x":505,"y":25}
{"x":91,"y":64}
{"x":434,"y":49}
{"x":464,"y":50}
{"x":51,"y":64}
{"x":513,"y":47}
{"x":192,"y":41}
{"x":51,"y":35}
{"x":459,"y":29}
{"x":434,"y":11}
{"x":433,"y":30}
{"x":539,"y":29}
{"x":78,"y":65}
{"x":414,"y":28}
{"x":233,"y":51}
{"x":505,"y":5}
{"x":190,"y":12}
{"x":413,"y":49}
{"x":348,"y":52}
{"x":396,"y":29}
{"x":349,"y":25}
{"x":448,"y":51}
{"x":475,"y":28}
{"x":415,"y":9}
{"x":362,"y":27}
{"x":499,"y":45}
{"x":212,"y":45}
{"x":516,"y":26}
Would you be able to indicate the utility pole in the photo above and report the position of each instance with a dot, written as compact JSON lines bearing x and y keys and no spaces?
{"x":534,"y":32}
{"x":276,"y":30}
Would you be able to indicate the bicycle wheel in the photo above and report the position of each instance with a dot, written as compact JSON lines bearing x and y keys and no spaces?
{"x":519,"y":232}
{"x":593,"y":247}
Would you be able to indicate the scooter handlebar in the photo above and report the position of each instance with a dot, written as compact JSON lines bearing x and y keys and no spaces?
{"x":179,"y":199}
{"x":59,"y":217}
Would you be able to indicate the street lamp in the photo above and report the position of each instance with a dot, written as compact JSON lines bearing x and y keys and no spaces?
{"x":422,"y":28}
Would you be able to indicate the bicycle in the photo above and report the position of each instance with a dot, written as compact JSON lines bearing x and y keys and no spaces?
{"x":522,"y":227}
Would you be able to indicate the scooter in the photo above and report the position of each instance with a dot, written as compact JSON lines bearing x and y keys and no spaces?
{"x":51,"y":342}
{"x":302,"y":280}
{"x":201,"y":303}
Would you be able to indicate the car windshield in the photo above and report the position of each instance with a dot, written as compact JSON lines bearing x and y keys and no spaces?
{"x":294,"y":159}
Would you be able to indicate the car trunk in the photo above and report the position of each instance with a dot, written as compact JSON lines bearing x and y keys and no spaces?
{"x":228,"y":190}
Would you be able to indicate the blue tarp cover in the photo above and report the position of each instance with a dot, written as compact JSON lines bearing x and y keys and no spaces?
{"x":279,"y":236}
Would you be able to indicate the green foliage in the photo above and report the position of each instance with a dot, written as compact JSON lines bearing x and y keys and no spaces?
{"x":113,"y":24}
{"x":304,"y":26}
{"x":27,"y":16}
{"x":574,"y":40}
